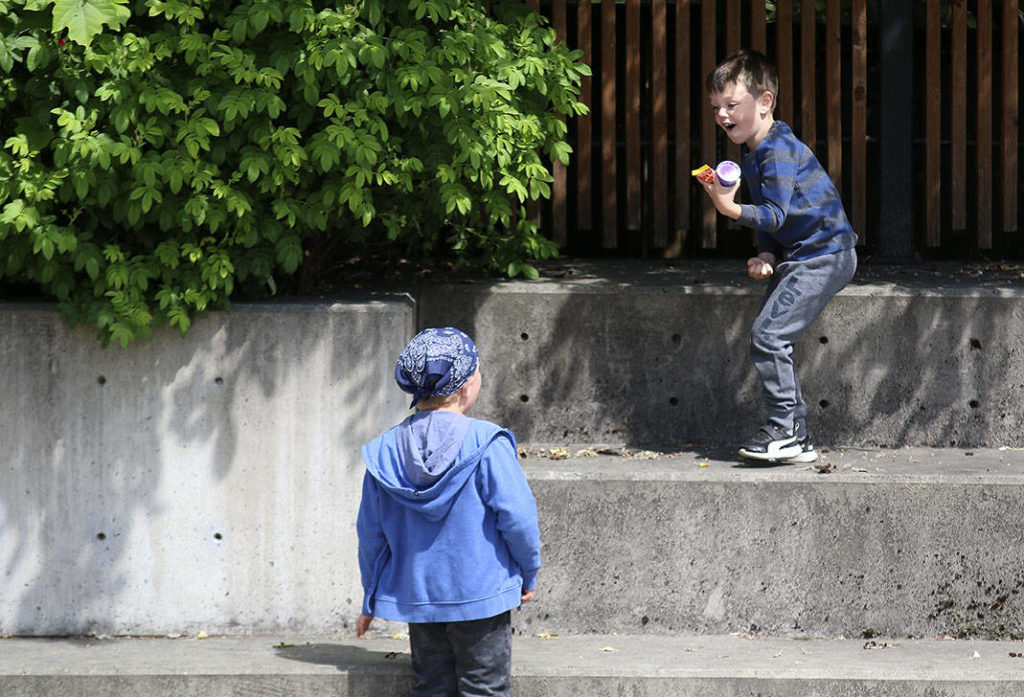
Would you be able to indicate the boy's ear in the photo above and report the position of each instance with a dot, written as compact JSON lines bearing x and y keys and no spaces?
{"x":766,"y":102}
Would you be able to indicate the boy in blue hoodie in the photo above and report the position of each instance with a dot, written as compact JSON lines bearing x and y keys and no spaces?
{"x":447,"y":525}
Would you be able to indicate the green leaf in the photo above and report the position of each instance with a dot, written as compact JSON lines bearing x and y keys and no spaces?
{"x":84,"y":19}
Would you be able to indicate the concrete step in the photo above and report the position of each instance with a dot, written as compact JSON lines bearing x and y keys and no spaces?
{"x":563,"y":666}
{"x":656,"y":352}
{"x":900,"y":543}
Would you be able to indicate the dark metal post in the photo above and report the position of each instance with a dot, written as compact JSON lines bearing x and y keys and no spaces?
{"x":896,"y":217}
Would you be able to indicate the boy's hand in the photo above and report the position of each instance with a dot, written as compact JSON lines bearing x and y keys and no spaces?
{"x":761,"y":267}
{"x":363,"y":624}
{"x":723,"y":198}
{"x":526,"y":597}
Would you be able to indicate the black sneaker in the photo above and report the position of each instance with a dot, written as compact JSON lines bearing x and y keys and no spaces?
{"x":807,"y":452}
{"x":772,"y":443}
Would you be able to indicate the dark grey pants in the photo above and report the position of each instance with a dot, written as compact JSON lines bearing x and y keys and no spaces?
{"x":462,"y":659}
{"x":797,"y":293}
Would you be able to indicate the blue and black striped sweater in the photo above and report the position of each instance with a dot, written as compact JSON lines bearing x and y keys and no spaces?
{"x":795,"y":207}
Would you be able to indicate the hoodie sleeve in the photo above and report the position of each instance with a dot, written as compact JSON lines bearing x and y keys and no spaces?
{"x":505,"y":489}
{"x":373,"y":546}
{"x":778,"y":181}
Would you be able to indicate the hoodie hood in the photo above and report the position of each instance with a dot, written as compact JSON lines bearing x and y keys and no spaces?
{"x":429,"y":443}
{"x":423,"y":462}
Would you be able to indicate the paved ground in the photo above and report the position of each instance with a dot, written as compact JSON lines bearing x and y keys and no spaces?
{"x":536,"y":656}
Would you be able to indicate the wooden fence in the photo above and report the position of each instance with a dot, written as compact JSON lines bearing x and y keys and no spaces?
{"x":628,"y":187}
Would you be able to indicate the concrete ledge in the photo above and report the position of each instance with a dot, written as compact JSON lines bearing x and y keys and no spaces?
{"x":646,"y":353}
{"x":564,"y":666}
{"x":895,"y":543}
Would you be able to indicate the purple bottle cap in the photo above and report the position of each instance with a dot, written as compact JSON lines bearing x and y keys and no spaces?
{"x":728,"y":172}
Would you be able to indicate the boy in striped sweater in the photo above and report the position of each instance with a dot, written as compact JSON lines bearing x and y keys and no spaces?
{"x":806,"y":246}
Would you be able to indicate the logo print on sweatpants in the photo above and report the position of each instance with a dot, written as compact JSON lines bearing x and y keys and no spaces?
{"x":785,"y":297}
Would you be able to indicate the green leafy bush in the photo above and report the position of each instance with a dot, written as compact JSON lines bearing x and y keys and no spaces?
{"x":160,"y":157}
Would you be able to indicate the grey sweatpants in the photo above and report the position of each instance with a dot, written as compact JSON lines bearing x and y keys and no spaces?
{"x":797,"y":293}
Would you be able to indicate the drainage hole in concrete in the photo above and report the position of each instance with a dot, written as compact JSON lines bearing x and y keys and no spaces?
{"x":975,"y":344}
{"x":102,"y":379}
{"x":218,"y":380}
{"x":101,"y":536}
{"x":673,"y":401}
{"x":524,"y":398}
{"x":973,"y":404}
{"x":823,"y":340}
{"x":524,"y":336}
{"x":218,"y":536}
{"x":676,"y":338}
{"x":823,"y":404}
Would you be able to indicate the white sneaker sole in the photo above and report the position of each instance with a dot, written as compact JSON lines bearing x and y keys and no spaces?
{"x":804,"y":457}
{"x":775,"y":452}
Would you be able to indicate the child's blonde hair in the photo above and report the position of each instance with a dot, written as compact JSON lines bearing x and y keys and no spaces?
{"x":748,"y":68}
{"x":436,"y":402}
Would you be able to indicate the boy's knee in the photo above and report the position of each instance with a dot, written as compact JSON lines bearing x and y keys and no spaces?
{"x":763,"y":341}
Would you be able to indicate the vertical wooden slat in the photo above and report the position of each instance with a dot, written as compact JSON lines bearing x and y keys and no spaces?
{"x":559,"y":187}
{"x":958,"y":114}
{"x":784,"y":59}
{"x":758,"y":22}
{"x":632,"y":115}
{"x":609,"y":199}
{"x":733,"y":34}
{"x":808,"y":62}
{"x":984,"y":115}
{"x":659,"y":126}
{"x":859,"y":122}
{"x":932,"y":127}
{"x":683,"y":163}
{"x":733,"y":27}
{"x":584,"y":126}
{"x":834,"y":103}
{"x":1010,"y":95}
{"x":709,"y":235}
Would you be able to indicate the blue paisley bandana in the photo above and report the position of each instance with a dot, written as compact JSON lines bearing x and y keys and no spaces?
{"x":436,"y":363}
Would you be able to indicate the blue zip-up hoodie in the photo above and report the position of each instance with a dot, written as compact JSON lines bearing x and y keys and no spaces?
{"x":447,"y":524}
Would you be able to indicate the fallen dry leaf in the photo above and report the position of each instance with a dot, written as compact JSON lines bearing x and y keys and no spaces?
{"x":875,"y":645}
{"x":547,"y":635}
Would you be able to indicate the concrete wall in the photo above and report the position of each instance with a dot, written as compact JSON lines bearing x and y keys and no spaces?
{"x":663,"y":546}
{"x":183,"y":485}
{"x":663,"y":361}
{"x":210,"y":483}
